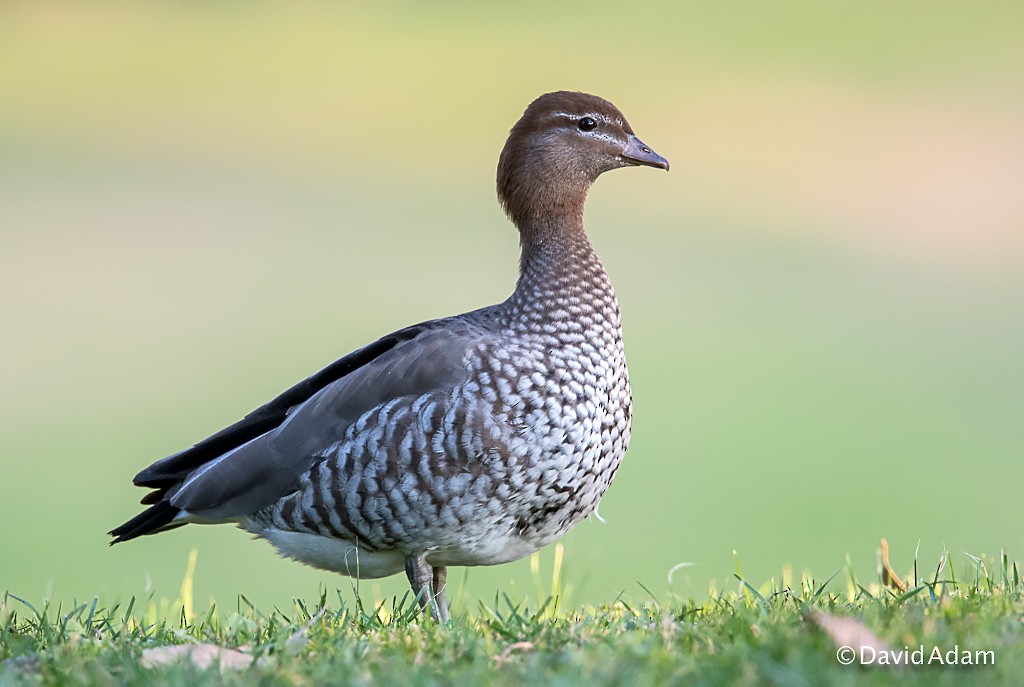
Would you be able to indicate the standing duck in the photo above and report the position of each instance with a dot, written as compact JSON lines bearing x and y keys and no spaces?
{"x":470,"y":440}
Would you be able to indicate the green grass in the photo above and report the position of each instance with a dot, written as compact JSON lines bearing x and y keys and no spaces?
{"x":753,"y":635}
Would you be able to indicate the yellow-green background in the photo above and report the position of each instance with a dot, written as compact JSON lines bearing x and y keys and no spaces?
{"x":203,"y":202}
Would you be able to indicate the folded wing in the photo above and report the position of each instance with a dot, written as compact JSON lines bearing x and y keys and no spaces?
{"x":256,"y":461}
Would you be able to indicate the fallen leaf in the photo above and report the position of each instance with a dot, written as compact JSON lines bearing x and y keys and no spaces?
{"x":889,"y":576}
{"x":201,"y":655}
{"x":847,"y":632}
{"x":506,"y":655}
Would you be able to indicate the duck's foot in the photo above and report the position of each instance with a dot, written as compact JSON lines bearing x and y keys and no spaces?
{"x":428,"y":585}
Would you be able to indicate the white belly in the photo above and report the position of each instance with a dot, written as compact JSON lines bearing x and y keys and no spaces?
{"x":336,"y":555}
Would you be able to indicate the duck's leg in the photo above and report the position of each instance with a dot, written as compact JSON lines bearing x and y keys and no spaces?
{"x":428,"y":585}
{"x":440,"y":580}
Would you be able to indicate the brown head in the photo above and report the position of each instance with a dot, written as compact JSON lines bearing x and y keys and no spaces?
{"x":556,"y":150}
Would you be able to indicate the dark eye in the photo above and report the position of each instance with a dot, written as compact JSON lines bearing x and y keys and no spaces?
{"x":586,"y":124}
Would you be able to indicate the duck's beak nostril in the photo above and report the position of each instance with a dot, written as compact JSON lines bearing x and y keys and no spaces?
{"x":638,"y":153}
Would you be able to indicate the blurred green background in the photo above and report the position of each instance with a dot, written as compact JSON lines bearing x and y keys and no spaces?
{"x":202,"y":203}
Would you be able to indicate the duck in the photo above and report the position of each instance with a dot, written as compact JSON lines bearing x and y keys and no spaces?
{"x":469,"y":440}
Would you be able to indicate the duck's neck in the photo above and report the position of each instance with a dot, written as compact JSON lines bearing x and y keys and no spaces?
{"x":559,"y":272}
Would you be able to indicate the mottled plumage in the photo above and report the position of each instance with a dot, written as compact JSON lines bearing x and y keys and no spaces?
{"x":470,"y":440}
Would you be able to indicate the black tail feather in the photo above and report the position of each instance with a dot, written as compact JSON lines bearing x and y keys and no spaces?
{"x":150,"y":521}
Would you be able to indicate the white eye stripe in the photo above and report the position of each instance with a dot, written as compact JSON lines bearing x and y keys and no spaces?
{"x":597,"y":116}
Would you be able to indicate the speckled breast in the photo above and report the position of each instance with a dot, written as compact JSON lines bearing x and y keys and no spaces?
{"x":571,"y":401}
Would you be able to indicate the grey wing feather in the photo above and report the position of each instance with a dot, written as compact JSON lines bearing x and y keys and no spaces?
{"x":266,"y":468}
